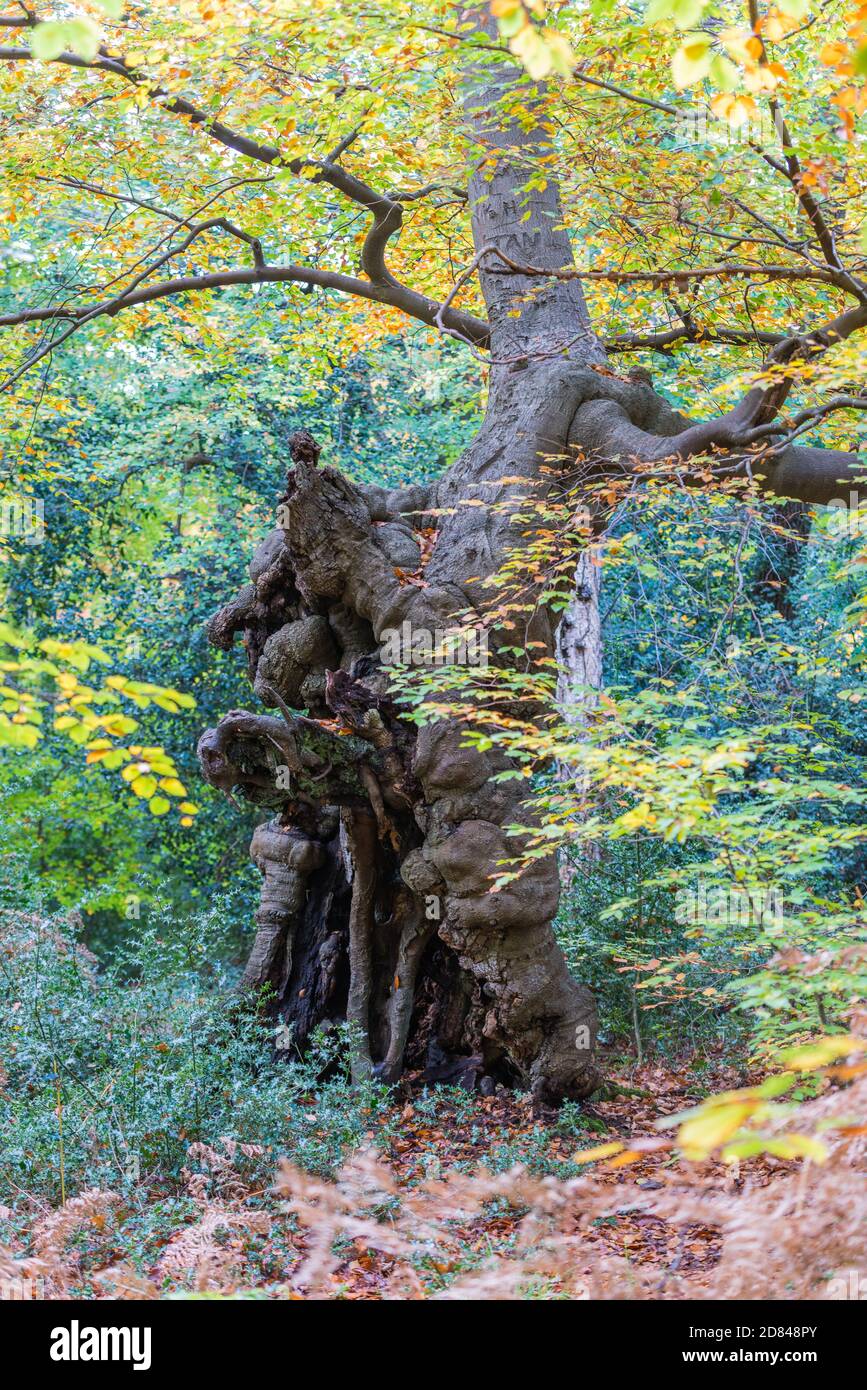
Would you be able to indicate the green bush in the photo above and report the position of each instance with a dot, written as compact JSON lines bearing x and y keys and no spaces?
{"x":110,"y":1075}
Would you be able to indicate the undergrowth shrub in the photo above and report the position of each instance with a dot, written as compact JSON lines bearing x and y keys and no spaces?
{"x":109,"y":1075}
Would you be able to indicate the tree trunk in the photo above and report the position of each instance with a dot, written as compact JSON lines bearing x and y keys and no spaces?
{"x":579,"y":643}
{"x":382,"y":911}
{"x":377,"y":901}
{"x":579,"y":655}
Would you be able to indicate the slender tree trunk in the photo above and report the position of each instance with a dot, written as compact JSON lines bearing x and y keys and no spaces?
{"x":579,"y":654}
{"x":579,"y":643}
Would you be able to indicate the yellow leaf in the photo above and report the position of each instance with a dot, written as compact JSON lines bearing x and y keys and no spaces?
{"x":797,"y":1146}
{"x":691,"y":62}
{"x":700,"y":1136}
{"x":173,"y":786}
{"x":820,"y":1053}
{"x":530,"y":47}
{"x":144,"y":786}
{"x":563,"y":59}
{"x":600,"y":1151}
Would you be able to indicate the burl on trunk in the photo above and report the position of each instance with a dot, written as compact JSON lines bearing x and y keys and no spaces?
{"x":376,"y":898}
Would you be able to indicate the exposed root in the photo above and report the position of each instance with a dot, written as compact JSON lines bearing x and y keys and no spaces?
{"x":361,"y":843}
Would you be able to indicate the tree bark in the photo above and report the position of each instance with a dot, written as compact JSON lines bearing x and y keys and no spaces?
{"x":579,"y":646}
{"x":391,"y":834}
{"x":439,"y":971}
{"x":579,"y":655}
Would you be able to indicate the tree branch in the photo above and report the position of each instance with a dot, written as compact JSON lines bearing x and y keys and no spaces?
{"x":727,"y":270}
{"x":392,"y":293}
{"x":387,"y":213}
{"x":665,"y":340}
{"x":610,"y":442}
{"x":662,"y":106}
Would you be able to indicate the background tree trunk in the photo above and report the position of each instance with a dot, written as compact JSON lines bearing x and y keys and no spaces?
{"x":579,"y":653}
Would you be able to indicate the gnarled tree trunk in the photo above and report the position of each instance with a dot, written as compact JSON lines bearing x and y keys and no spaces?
{"x":376,"y":901}
{"x":377,"y":861}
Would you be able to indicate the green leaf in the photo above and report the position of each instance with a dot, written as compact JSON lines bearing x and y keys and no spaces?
{"x":144,"y":786}
{"x":821,"y":1053}
{"x":83,"y":37}
{"x":11,"y":636}
{"x":511,"y":23}
{"x":684,"y":13}
{"x":723,"y":73}
{"x":18,"y":735}
{"x":48,"y":40}
{"x":797,"y":1146}
{"x":777,"y":1085}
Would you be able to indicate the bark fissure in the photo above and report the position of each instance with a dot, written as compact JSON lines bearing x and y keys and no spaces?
{"x":360,"y":830}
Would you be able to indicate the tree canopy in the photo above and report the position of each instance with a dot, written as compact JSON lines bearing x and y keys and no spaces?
{"x":314,"y":151}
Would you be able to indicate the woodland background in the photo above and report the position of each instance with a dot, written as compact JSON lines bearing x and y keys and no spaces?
{"x":144,"y":1116}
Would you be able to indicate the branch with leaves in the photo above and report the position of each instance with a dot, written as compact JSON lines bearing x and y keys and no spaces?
{"x":45,"y":680}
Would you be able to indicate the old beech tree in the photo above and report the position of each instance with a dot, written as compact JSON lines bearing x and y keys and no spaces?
{"x":382,"y":837}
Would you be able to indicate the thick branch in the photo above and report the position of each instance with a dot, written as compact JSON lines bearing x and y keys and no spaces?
{"x":386,"y":213}
{"x":610,"y":443}
{"x":416,"y":305}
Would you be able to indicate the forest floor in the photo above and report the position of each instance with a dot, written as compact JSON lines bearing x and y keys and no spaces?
{"x":506,"y":1126}
{"x":456,"y":1195}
